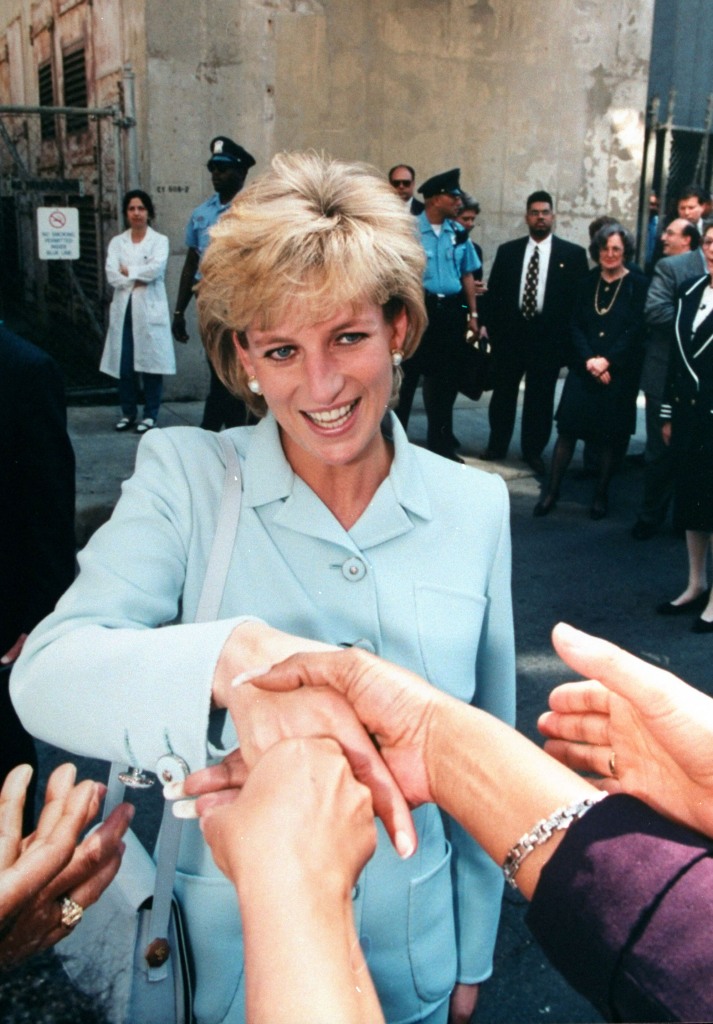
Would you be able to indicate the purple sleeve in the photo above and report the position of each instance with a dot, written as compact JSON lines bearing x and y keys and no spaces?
{"x":623,"y":911}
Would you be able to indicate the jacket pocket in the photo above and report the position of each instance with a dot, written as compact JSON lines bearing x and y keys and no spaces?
{"x":431,"y":932}
{"x":215,"y":944}
{"x":449,"y":623}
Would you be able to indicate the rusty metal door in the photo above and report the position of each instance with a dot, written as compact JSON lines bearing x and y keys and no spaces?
{"x":60,"y":156}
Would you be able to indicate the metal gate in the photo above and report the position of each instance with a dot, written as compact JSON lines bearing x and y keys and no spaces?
{"x":674,"y":157}
{"x":61,"y":156}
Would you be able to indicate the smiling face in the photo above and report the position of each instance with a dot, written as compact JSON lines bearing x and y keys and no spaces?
{"x":673,"y":240}
{"x":327,"y":384}
{"x":611,"y":255}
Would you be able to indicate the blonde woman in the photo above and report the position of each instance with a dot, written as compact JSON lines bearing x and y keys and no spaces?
{"x":310,"y":299}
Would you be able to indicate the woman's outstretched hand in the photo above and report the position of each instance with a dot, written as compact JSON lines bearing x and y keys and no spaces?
{"x":658,"y":728}
{"x":37,"y":872}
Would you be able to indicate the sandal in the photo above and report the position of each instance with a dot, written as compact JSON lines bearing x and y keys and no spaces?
{"x":124,"y":424}
{"x":147,"y":424}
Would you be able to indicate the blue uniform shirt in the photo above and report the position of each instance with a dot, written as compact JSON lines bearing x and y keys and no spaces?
{"x":201,"y":221}
{"x":446,"y":259}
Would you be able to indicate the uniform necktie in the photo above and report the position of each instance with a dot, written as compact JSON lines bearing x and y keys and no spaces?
{"x":529,"y":295}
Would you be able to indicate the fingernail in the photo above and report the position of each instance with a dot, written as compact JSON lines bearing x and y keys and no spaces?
{"x":185,"y":809}
{"x":252,"y":673}
{"x":174,"y":790}
{"x":405,"y":846}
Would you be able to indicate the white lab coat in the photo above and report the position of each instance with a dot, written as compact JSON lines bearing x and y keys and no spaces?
{"x":153,"y":343}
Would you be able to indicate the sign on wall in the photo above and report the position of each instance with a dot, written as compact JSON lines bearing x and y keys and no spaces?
{"x":58,"y":232}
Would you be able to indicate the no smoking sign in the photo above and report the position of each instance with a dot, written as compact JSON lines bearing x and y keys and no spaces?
{"x":58,"y":232}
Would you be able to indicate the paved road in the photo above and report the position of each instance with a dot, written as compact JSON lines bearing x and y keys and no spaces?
{"x":565,"y":567}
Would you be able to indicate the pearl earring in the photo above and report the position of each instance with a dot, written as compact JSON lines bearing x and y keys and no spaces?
{"x":397,"y":357}
{"x":254,"y":386}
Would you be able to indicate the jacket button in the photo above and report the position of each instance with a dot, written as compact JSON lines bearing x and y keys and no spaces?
{"x":171,"y":768}
{"x":354,"y":570}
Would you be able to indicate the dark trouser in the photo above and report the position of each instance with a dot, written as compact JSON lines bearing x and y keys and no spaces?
{"x":128,"y":378}
{"x":530,"y":357}
{"x":658,"y":470}
{"x":16,"y":747}
{"x":223,"y":409}
{"x":436,"y":360}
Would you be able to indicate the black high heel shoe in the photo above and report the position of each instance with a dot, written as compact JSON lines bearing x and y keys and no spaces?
{"x":696,"y":604}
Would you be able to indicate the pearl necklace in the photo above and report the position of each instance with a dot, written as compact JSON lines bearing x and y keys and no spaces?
{"x":597,"y":308}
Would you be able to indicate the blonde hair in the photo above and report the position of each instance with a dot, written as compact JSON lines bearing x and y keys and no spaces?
{"x":313,"y":231}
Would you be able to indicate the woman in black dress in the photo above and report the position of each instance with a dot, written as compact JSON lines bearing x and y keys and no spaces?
{"x":687,"y":418}
{"x":599,"y":398}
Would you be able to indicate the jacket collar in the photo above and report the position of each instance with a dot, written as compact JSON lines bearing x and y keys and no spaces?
{"x":402,"y":496}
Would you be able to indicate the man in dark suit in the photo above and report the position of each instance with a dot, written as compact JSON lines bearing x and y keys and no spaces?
{"x":402,"y":179}
{"x":36,"y":516}
{"x":527,"y":309}
{"x":683,"y":260}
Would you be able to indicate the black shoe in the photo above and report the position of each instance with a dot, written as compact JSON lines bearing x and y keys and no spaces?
{"x":598,"y":510}
{"x":701,"y":626}
{"x":125,"y":423}
{"x":544,"y":507}
{"x":696,"y":604}
{"x":536,"y":463}
{"x":490,"y":456}
{"x":641,"y":530}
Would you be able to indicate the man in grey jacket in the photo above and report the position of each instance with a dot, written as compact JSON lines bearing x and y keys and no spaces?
{"x":683,"y":261}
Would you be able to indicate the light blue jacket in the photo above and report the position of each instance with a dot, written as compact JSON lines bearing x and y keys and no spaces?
{"x":423,"y":578}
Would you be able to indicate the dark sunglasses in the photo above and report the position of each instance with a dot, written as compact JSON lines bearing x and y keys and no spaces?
{"x":399,"y":181}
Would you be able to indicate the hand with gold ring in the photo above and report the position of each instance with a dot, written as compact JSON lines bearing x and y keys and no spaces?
{"x":643,"y":730}
{"x":48,"y":878}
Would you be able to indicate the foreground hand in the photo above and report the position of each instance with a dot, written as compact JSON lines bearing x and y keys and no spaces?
{"x":464,"y":999}
{"x":255,"y":645}
{"x":300,"y":811}
{"x":262,"y":719}
{"x":14,"y":652}
{"x":394,"y":704}
{"x":35,"y":873}
{"x":659,"y":728}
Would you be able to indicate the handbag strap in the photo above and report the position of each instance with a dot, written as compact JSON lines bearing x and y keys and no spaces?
{"x":169,"y":836}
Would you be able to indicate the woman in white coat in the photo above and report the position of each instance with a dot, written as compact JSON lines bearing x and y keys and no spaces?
{"x":139,"y":337}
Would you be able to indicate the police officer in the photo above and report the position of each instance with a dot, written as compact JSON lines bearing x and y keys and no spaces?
{"x":450,"y":264}
{"x":229,"y":164}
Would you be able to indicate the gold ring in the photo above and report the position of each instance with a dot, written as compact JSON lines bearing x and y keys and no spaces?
{"x":71,"y":912}
{"x":612,"y":765}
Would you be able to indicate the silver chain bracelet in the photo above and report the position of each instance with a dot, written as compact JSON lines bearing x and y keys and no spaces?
{"x":558,"y":821}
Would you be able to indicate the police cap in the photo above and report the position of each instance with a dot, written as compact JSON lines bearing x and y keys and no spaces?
{"x":224,"y":150}
{"x":448,"y":182}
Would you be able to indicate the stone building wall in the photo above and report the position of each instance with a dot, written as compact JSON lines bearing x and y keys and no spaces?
{"x":521,"y":94}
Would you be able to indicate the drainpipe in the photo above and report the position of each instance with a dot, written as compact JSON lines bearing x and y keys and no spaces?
{"x":129,"y":78}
